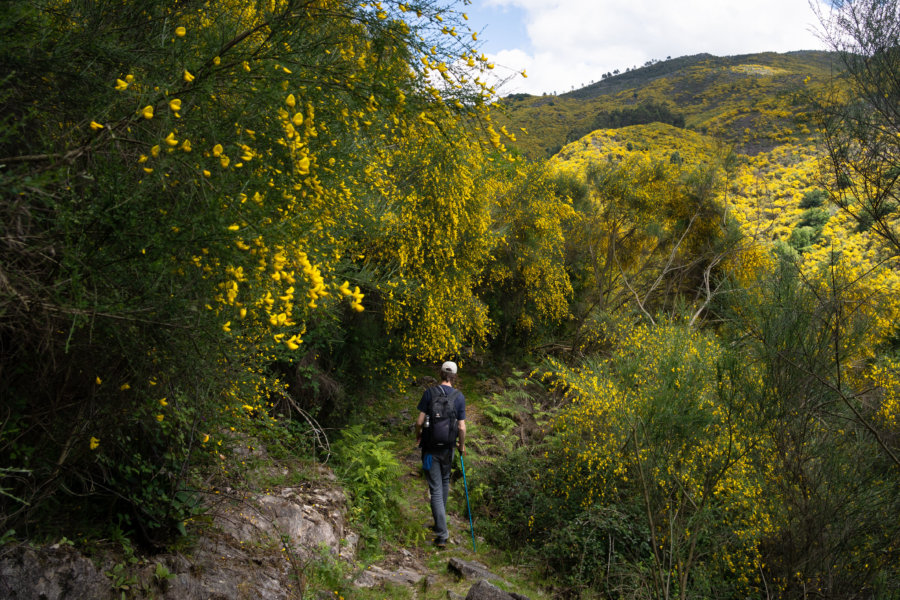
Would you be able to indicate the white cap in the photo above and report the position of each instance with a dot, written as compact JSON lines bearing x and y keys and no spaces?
{"x":449,"y":367}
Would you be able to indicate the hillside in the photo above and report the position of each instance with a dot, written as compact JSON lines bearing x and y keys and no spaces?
{"x":699,"y":107}
{"x":765,"y":192}
{"x":753,"y":101}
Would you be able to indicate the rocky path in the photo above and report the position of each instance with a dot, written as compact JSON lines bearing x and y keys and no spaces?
{"x":256,"y":544}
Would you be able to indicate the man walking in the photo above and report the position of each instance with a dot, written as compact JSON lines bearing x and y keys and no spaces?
{"x":441,"y":426}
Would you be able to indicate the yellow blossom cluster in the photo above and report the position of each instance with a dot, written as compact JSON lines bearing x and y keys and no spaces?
{"x":271,"y":148}
{"x":885,"y":377}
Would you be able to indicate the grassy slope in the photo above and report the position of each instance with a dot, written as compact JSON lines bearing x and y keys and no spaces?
{"x":764,"y":193}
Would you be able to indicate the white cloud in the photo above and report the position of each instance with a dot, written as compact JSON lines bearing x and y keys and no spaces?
{"x":575,"y":41}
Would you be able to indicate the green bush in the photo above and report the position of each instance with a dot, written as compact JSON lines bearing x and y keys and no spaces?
{"x":813,"y":199}
{"x":368,"y":467}
{"x":513,"y":503}
{"x":599,"y":547}
{"x":814,"y":217}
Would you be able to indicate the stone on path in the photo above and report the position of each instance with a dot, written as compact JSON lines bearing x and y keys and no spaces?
{"x":376,"y":575}
{"x":485,"y":590}
{"x":470,"y":569}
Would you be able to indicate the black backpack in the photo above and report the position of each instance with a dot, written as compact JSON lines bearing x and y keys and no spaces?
{"x":440,"y":434}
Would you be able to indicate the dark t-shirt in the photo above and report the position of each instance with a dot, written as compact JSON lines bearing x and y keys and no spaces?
{"x":459,"y":403}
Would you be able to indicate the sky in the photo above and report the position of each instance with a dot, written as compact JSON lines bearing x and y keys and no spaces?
{"x":562,"y":44}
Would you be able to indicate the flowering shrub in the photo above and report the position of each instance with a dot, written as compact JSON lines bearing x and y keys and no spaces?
{"x":200,"y":202}
{"x":660,"y":423}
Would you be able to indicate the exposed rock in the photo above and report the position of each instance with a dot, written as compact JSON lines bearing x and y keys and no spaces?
{"x":261,"y":539}
{"x":307,"y":519}
{"x":376,"y":575}
{"x":255,"y":549}
{"x":470,"y":569}
{"x":226,"y":571}
{"x":403,"y":568}
{"x":484,"y":590}
{"x":52,"y":573}
{"x":401,"y":420}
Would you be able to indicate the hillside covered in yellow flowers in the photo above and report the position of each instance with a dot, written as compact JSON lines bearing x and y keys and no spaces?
{"x":753,"y":102}
{"x":672,"y":294}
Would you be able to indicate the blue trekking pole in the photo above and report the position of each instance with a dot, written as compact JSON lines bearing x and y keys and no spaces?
{"x":469,"y":506}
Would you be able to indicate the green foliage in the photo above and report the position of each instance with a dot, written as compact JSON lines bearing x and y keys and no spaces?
{"x":162,"y":575}
{"x":499,"y":416}
{"x":646,"y":112}
{"x":725,"y":452}
{"x":508,"y":412}
{"x":513,"y":500}
{"x":815,"y":421}
{"x":657,"y":432}
{"x":600,"y":549}
{"x":652,"y":237}
{"x":813,"y":199}
{"x":531,"y":214}
{"x":802,"y":238}
{"x":368,"y":467}
{"x":122,"y":579}
{"x":814,"y":218}
{"x":579,"y":548}
{"x":809,"y":229}
{"x":179,"y":209}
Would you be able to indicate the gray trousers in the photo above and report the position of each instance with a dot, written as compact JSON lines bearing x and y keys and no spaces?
{"x":438,"y":477}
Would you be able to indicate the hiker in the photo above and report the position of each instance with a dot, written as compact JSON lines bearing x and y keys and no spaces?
{"x":440,"y":426}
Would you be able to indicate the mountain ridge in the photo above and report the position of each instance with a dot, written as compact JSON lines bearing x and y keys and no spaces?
{"x":674,"y":65}
{"x":752,"y":101}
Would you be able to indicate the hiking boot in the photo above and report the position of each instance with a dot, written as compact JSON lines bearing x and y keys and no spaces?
{"x":440,"y":544}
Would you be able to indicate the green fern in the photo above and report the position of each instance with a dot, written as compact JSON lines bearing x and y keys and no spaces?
{"x":500,"y":416}
{"x":369,"y":468}
{"x":503,"y":408}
